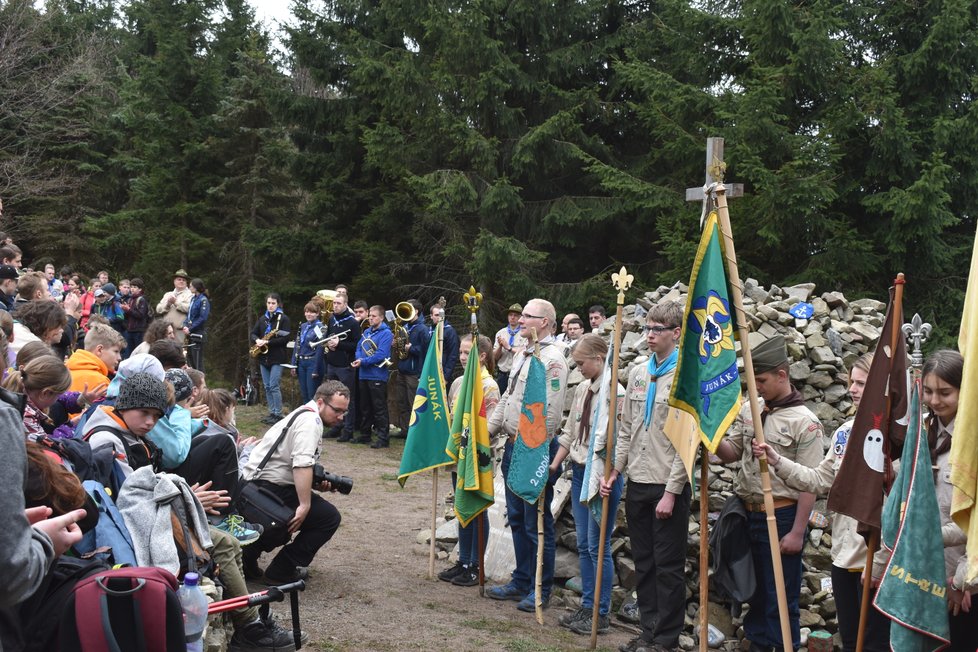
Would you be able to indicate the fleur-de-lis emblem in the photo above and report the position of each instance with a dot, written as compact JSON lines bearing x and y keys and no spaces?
{"x":622,"y":280}
{"x":472,"y":299}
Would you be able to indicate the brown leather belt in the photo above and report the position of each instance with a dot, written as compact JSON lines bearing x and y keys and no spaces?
{"x":778,"y":504}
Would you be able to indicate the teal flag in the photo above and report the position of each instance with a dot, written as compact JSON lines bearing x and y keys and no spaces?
{"x":913,"y":591}
{"x":528,"y":468}
{"x":707,"y":383}
{"x":429,"y":427}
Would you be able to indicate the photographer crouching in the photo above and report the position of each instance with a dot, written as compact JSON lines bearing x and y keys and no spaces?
{"x":277,"y":489}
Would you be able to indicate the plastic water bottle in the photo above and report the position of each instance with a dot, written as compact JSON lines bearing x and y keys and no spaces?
{"x":194,"y":604}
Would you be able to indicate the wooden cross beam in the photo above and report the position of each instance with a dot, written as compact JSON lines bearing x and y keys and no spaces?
{"x":715,"y":167}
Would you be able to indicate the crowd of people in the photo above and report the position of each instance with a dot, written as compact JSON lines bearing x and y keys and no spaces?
{"x":85,"y":362}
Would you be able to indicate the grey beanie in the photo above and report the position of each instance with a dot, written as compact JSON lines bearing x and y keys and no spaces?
{"x":182,"y":385}
{"x":141,"y":390}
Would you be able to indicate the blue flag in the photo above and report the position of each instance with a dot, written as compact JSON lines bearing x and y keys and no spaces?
{"x":528,"y":470}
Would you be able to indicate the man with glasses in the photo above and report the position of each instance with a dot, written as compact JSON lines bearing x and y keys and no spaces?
{"x":537,"y":319}
{"x":657,"y":502}
{"x":288,"y":473}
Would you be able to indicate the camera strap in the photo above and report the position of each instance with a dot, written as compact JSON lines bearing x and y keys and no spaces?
{"x":278,"y":442}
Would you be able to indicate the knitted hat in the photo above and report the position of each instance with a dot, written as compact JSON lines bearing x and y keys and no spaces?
{"x":142,"y":391}
{"x":182,"y":385}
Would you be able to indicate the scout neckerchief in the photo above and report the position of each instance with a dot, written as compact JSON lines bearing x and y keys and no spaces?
{"x":657,"y":371}
{"x":513,"y":332}
{"x":268,"y":319}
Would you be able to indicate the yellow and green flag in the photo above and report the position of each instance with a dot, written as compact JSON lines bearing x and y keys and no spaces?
{"x":429,"y":426}
{"x":913,"y":591}
{"x":468,"y":444}
{"x":707,"y":383}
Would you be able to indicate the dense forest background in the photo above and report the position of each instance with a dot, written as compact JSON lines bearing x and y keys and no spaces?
{"x":410,"y":148}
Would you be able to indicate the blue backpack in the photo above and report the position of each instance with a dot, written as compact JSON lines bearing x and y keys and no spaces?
{"x":109,"y":539}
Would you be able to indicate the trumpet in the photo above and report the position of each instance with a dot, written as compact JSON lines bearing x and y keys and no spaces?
{"x":335,"y":336}
{"x":260,"y":350}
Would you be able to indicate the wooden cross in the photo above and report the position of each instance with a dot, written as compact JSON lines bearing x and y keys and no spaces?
{"x":715,"y":168}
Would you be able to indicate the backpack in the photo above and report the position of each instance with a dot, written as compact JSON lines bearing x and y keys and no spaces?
{"x":40,"y":615}
{"x":140,"y":451}
{"x":79,"y":458}
{"x":130,"y":609}
{"x":109,"y":540}
{"x":194,"y":558}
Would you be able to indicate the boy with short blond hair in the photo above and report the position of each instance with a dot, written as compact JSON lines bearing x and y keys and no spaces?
{"x":99,"y":359}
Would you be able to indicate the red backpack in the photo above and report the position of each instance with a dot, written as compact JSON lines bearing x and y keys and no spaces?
{"x":124,"y":610}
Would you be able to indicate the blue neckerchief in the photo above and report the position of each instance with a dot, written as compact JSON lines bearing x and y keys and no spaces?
{"x":662,"y":369}
{"x":308,"y":329}
{"x":268,"y":319}
{"x":513,"y":332}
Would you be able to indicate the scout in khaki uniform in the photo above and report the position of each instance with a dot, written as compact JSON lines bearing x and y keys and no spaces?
{"x":507,"y":344}
{"x":658,"y":496}
{"x":795,"y":433}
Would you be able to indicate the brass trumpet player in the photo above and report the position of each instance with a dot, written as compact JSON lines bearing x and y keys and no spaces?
{"x":339,"y":354}
{"x":405,"y":384}
{"x":372,"y":361}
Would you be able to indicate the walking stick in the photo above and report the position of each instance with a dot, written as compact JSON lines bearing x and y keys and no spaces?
{"x":704,"y":551}
{"x":622,"y":281}
{"x":737,"y":293}
{"x":434,"y":520}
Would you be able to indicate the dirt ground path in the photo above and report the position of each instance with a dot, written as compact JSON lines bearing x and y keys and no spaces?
{"x":368,"y":588}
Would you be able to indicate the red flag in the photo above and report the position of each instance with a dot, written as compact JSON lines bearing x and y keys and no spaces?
{"x":879,"y":425}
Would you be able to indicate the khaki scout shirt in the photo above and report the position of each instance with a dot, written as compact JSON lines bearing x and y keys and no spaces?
{"x":643,"y":454}
{"x":570,"y":434}
{"x":795,"y":433}
{"x":848,"y":546}
{"x":505,"y":362}
{"x":506,"y":417}
{"x":300,"y":448}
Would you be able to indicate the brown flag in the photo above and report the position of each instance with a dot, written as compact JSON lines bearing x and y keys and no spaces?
{"x":877,"y":432}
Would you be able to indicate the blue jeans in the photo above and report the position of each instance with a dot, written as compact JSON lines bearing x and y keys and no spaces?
{"x":133,"y":339}
{"x":522,"y":517}
{"x":307,"y":384}
{"x":270,"y":377}
{"x":762,"y":625}
{"x":588,"y":537}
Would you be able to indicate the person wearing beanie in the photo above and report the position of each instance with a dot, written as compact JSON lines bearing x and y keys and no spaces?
{"x":142,"y":401}
{"x":796,"y":434}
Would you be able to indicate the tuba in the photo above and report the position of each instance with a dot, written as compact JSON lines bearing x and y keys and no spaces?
{"x":404,"y":313}
{"x":324,"y":298}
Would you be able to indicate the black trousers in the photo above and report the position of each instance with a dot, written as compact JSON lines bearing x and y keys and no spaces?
{"x":848,"y":592}
{"x":318,"y":528}
{"x":195,"y":350}
{"x":373,"y":405}
{"x":659,"y":553}
{"x":212,"y":458}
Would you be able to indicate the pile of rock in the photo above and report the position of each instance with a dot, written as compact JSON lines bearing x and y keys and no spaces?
{"x":821,"y":348}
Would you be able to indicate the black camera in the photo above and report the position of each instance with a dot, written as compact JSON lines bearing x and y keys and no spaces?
{"x":341,"y":483}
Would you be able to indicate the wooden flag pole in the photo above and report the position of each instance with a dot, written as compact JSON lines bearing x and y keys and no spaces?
{"x":434,"y":522}
{"x":872,"y":544}
{"x":743,"y":335}
{"x":704,"y":615}
{"x":473,"y":301}
{"x":622,"y":281}
{"x":538,"y":593}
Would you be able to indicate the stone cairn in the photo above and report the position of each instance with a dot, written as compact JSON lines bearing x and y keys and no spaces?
{"x":820,"y":349}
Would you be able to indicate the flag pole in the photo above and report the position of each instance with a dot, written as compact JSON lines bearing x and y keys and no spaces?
{"x":622,"y":281}
{"x":872,"y":544}
{"x":434,"y":521}
{"x":737,"y":293}
{"x":473,"y":302}
{"x":538,"y":592}
{"x":704,"y":615}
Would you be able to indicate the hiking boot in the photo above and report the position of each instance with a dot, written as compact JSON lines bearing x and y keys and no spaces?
{"x":529,"y":603}
{"x":637,"y":643}
{"x":583,"y":626}
{"x":380,"y":443}
{"x":629,"y":612}
{"x":279,"y":572}
{"x":362,"y":439}
{"x":450,"y":574}
{"x":240,"y":529}
{"x":468,"y":577}
{"x":345,"y":437}
{"x":264,"y":636}
{"x":272,"y":419}
{"x":566,"y":620}
{"x":505,"y":592}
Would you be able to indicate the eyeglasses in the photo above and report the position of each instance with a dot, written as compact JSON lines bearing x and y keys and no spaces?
{"x":529,"y":316}
{"x":658,"y":330}
{"x":339,"y":412}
